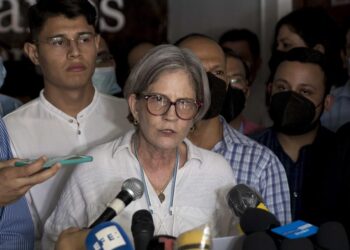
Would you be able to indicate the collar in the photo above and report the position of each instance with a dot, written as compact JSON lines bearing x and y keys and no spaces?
{"x":124,"y":143}
{"x":80,"y":116}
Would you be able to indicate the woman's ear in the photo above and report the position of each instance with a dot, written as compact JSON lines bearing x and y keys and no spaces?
{"x":132,"y":101}
{"x":31,"y":51}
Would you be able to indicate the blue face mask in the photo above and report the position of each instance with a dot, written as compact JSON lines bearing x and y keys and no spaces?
{"x":2,"y":72}
{"x":105,"y":80}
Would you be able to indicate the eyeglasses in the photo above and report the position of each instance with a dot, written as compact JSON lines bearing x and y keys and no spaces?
{"x":158,"y":104}
{"x":63,"y":43}
{"x":237,"y":80}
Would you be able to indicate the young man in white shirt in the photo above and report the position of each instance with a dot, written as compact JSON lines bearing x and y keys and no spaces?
{"x":69,"y":116}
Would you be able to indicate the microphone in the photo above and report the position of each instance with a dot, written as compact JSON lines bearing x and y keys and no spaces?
{"x":142,"y":229}
{"x":257,"y":220}
{"x":241,"y":197}
{"x":297,"y":244}
{"x":332,"y":236}
{"x":108,"y":236}
{"x":132,"y":189}
{"x":162,"y":242}
{"x":258,"y":241}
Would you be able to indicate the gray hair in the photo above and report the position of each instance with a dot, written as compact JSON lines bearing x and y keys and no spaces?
{"x":168,"y":58}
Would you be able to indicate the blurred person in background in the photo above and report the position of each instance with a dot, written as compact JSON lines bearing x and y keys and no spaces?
{"x":237,"y":94}
{"x":104,"y":78}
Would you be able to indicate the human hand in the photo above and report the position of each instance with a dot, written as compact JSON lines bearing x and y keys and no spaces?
{"x":72,"y":239}
{"x":16,"y":181}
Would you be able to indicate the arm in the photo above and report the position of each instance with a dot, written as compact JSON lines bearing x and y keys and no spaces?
{"x":16,"y":181}
{"x":274,"y":189}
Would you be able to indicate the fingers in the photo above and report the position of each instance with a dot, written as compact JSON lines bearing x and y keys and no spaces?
{"x":9,"y":163}
{"x":39,"y":177}
{"x":31,"y":169}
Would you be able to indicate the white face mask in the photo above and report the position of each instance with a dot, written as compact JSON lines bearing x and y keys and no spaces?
{"x":105,"y":80}
{"x":2,"y":72}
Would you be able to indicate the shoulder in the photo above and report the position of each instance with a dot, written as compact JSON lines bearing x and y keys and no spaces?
{"x":26,"y":110}
{"x":207,"y":160}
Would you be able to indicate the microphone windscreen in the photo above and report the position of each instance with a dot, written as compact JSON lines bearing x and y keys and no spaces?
{"x":241,"y":197}
{"x":258,"y":241}
{"x":162,"y":242}
{"x":257,"y":220}
{"x":332,"y":235}
{"x":142,"y":228}
{"x":134,"y":186}
{"x":108,"y":236}
{"x":297,"y":244}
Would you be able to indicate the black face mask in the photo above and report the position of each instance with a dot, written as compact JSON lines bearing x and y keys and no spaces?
{"x":217,"y":88}
{"x":292,"y":113}
{"x":234,"y":104}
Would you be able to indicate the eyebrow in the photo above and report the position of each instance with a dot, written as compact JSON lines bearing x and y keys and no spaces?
{"x":79,"y":34}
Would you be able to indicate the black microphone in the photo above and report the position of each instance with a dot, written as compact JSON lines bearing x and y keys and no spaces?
{"x":297,"y":244}
{"x":142,"y":228}
{"x":332,"y":236}
{"x":258,"y":241}
{"x":132,"y":189}
{"x":257,"y":220}
{"x":241,"y":197}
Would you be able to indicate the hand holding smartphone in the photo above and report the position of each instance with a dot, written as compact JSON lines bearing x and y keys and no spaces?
{"x":64,"y":160}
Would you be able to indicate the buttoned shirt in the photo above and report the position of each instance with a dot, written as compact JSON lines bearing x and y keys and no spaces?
{"x":39,"y":128}
{"x":255,"y":165}
{"x":16,"y":226}
{"x":311,"y":177}
{"x":199,"y":195}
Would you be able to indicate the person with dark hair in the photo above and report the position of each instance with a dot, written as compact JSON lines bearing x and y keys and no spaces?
{"x":299,"y":94}
{"x":70,"y":115}
{"x":237,"y":72}
{"x":246,"y":44}
{"x":339,"y":112}
{"x":252,"y":163}
{"x":312,"y":28}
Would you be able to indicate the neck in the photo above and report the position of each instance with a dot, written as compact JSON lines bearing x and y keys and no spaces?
{"x":292,"y":144}
{"x":207,"y":133}
{"x":236,"y":123}
{"x":70,"y":101}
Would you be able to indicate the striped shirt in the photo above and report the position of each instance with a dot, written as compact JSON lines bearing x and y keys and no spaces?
{"x":255,"y":165}
{"x":16,"y":226}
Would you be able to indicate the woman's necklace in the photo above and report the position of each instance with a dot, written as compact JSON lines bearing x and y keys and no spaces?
{"x":161,"y":195}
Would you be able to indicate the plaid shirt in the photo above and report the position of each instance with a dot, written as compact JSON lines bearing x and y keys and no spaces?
{"x":16,"y":226}
{"x":255,"y":165}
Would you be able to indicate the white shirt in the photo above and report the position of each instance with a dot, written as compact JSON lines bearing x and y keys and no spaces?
{"x":199,"y":197}
{"x":39,"y":128}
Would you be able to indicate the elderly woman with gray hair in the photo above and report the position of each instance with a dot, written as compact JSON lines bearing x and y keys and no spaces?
{"x":185,"y":186}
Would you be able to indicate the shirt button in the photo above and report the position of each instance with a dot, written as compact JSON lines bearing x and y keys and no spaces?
{"x":71,"y":120}
{"x":79,"y":132}
{"x":295,"y":194}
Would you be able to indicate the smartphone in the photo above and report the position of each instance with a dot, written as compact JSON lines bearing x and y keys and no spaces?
{"x":64,"y":160}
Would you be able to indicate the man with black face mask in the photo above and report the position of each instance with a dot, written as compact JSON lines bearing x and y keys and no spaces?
{"x":299,"y":94}
{"x":238,"y":91}
{"x":252,"y":163}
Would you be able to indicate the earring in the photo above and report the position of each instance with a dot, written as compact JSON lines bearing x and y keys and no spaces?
{"x":136,"y":122}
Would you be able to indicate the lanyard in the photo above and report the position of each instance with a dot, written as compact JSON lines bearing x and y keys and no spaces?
{"x":173,"y":182}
